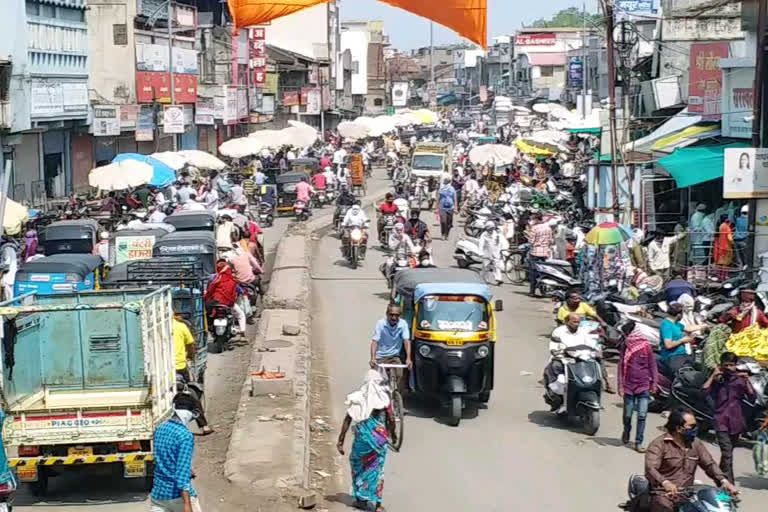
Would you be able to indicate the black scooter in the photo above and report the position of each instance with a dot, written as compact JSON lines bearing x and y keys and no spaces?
{"x":698,"y":498}
{"x":582,"y":389}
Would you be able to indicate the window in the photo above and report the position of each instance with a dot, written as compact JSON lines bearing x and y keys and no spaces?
{"x":378,"y":102}
{"x":68,"y":14}
{"x":5,"y":80}
{"x":547,"y":71}
{"x":120,"y":34}
{"x":33,"y":8}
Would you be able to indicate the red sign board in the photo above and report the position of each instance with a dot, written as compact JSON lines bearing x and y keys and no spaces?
{"x":705,"y":79}
{"x":535,"y":39}
{"x":290,"y":98}
{"x":305,"y":95}
{"x":155,"y":86}
{"x":257,"y":55}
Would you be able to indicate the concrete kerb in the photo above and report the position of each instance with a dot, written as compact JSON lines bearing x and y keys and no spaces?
{"x":269,"y":450}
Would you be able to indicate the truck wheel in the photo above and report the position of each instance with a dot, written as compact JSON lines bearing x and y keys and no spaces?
{"x":40,"y":488}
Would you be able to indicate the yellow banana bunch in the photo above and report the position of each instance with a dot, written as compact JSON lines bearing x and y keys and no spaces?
{"x":751,"y":342}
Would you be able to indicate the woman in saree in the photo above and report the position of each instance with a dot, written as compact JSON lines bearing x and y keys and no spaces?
{"x":722,"y":251}
{"x":370,"y":413}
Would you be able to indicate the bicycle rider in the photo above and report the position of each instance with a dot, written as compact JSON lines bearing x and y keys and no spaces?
{"x":390,"y":337}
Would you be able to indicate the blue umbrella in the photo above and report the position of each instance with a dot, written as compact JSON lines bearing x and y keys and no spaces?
{"x":162,"y":174}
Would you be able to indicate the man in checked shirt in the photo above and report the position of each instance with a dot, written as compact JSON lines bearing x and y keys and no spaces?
{"x":541,"y":244}
{"x":173,"y":446}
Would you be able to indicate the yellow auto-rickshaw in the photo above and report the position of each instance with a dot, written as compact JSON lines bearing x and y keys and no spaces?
{"x":453,"y":334}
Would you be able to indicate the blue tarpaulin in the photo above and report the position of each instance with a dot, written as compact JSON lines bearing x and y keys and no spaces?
{"x":691,"y":166}
{"x":162,"y":175}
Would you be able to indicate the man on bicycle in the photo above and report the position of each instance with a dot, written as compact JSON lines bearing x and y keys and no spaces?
{"x":390,"y":336}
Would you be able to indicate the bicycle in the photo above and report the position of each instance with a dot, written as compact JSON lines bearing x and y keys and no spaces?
{"x":396,"y":398}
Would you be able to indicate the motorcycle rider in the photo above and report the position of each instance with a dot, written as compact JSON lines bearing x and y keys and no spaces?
{"x":388,"y":207}
{"x":418,"y":231}
{"x":569,"y":335}
{"x":399,"y":243}
{"x":491,"y":244}
{"x":354,"y":218}
{"x":672,"y":460}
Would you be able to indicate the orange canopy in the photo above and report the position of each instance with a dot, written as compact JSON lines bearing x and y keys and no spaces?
{"x":467,"y":17}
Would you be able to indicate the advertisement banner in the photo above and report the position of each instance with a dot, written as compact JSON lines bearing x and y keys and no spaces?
{"x":290,"y":98}
{"x":106,"y":120}
{"x":270,"y":84}
{"x":129,"y":248}
{"x":636,"y":7}
{"x":204,"y":111}
{"x":738,"y":102}
{"x":745,"y":173}
{"x":706,"y":78}
{"x":314,"y":101}
{"x":304,"y":97}
{"x":549,"y":39}
{"x":230,"y":104}
{"x":54,"y":99}
{"x":145,"y":125}
{"x":400,"y":94}
{"x":242,"y":104}
{"x":575,"y":72}
{"x":173,"y":119}
{"x":128,"y":116}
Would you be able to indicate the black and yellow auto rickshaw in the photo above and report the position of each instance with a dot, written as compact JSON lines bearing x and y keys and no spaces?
{"x":453,"y":334}
{"x":305,"y":165}
{"x":192,"y":220}
{"x":78,"y":236}
{"x":286,"y":190}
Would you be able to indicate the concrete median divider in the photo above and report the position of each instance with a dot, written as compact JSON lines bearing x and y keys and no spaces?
{"x":269,"y":448}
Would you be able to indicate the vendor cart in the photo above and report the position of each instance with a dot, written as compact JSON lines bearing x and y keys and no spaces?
{"x":357,"y":173}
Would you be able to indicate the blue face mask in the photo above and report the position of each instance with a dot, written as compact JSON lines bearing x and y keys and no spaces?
{"x":690,"y":434}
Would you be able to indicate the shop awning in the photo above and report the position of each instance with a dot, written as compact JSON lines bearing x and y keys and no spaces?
{"x":591,"y":131}
{"x":673,"y":125}
{"x":691,"y":166}
{"x":686,"y":137}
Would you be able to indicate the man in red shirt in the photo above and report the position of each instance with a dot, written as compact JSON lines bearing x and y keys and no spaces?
{"x":325,"y":162}
{"x":388,"y":207}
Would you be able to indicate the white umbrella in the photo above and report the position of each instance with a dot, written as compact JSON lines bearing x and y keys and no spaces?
{"x":497,"y":154}
{"x":239,"y":148}
{"x":202,"y":159}
{"x":16,"y":215}
{"x":352,"y":130}
{"x":121,"y":175}
{"x":299,"y":137}
{"x":173,"y":160}
{"x":271,"y":139}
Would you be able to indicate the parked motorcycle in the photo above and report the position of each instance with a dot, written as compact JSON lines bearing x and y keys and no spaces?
{"x":553,"y":275}
{"x":467,"y":253}
{"x":581,"y":384}
{"x":223,"y":328}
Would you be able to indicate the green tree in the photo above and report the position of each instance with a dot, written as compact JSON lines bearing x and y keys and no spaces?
{"x":570,"y":17}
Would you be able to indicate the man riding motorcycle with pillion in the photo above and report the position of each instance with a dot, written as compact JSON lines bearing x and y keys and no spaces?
{"x":401,"y":246}
{"x":346,"y":199}
{"x":418,"y":231}
{"x":388,"y":207}
{"x":354,"y":218}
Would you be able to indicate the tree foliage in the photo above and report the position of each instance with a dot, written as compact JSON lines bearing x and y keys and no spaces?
{"x":570,"y":17}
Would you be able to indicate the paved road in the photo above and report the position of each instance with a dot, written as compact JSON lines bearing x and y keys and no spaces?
{"x":512,"y":455}
{"x":96,"y":488}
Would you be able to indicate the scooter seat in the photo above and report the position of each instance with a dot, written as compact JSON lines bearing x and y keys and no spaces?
{"x":560,"y":263}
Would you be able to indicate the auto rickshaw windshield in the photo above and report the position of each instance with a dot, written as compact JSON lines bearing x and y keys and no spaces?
{"x":465,"y":313}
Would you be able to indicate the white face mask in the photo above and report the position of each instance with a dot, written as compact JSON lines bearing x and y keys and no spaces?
{"x":185,"y":416}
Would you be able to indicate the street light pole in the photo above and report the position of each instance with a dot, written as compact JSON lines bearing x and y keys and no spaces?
{"x":584,"y":60}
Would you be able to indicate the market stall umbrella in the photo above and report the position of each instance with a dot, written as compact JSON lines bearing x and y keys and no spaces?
{"x":162,"y":174}
{"x":170,"y":158}
{"x":497,"y":154}
{"x":120,"y":175}
{"x":352,"y":130}
{"x":202,"y":159}
{"x":607,"y":233}
{"x":241,"y":147}
{"x":16,"y":215}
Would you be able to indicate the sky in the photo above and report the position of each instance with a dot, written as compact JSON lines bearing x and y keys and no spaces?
{"x":408,"y":31}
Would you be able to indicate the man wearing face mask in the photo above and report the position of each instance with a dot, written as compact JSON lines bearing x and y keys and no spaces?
{"x":727,"y":388}
{"x":672,"y":459}
{"x":744,"y":315}
{"x":173,"y":447}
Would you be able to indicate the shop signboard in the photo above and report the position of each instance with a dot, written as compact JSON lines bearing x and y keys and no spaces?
{"x":257,"y":55}
{"x":270,"y":84}
{"x":242,"y":103}
{"x":106,"y":120}
{"x":173,"y":119}
{"x":128,"y":116}
{"x":400,"y":94}
{"x":145,"y":124}
{"x":49,"y":99}
{"x":230,"y":104}
{"x":575,"y":72}
{"x":290,"y":98}
{"x":204,"y":111}
{"x":540,"y":39}
{"x":705,"y":79}
{"x":636,"y":7}
{"x":737,"y":102}
{"x":745,"y":173}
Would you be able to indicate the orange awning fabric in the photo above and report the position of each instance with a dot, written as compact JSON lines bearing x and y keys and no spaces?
{"x":246,"y":13}
{"x":469,"y":18}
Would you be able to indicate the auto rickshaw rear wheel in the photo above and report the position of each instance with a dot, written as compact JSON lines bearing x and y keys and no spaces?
{"x":455,"y":411}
